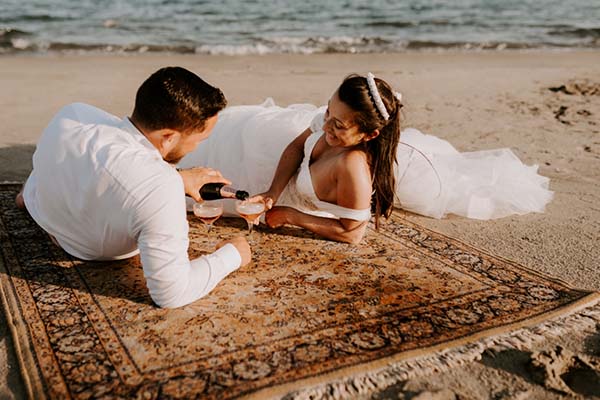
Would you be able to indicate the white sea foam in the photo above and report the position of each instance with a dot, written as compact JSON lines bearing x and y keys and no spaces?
{"x":21,"y":44}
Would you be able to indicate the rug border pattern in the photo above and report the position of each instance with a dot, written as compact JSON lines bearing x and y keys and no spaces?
{"x":36,"y":385}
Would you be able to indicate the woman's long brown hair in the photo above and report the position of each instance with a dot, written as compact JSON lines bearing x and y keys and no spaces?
{"x":354,"y":92}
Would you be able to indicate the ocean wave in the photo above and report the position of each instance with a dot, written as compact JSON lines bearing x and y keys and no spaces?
{"x":111,"y":48}
{"x":320,"y":45}
{"x":13,"y":41}
{"x":11,"y":33}
{"x":425,"y":45}
{"x":23,"y":45}
{"x":390,"y":24}
{"x":35,"y":18}
{"x":295,"y":45}
{"x":581,"y":33}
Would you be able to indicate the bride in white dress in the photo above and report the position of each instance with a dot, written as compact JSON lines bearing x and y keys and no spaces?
{"x":340,"y":170}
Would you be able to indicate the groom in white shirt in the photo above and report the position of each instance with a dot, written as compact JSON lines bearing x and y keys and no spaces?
{"x":105,"y":188}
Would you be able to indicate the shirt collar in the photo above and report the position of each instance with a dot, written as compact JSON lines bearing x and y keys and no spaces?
{"x":137,"y":135}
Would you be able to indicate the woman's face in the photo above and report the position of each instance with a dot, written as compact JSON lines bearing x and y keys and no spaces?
{"x":340,"y":128}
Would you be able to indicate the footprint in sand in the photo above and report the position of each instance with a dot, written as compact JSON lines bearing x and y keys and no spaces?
{"x":566,"y":372}
{"x":575,"y":108}
{"x":561,"y":113}
{"x":582,"y":87}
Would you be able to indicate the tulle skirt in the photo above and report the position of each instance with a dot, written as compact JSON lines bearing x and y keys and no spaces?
{"x":432,"y":177}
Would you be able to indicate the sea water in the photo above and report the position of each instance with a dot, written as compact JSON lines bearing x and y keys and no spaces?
{"x":306,"y":26}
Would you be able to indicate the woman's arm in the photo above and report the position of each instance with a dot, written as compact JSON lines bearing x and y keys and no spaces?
{"x":289,"y":162}
{"x":353,"y":190}
{"x":342,"y":230}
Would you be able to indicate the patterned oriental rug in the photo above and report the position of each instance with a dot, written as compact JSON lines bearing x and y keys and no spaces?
{"x":306,"y":313}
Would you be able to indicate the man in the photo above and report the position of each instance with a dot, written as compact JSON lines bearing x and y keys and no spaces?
{"x":104,"y":188}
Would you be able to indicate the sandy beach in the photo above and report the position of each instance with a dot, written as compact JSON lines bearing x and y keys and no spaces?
{"x":543,"y":105}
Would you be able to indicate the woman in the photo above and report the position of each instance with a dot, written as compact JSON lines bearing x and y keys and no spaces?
{"x":352,"y":162}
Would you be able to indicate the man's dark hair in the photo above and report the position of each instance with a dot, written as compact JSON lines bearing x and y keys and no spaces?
{"x":175,"y":98}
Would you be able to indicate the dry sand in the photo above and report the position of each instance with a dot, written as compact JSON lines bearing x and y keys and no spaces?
{"x":474,"y":100}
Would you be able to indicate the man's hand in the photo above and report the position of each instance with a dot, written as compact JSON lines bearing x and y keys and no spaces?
{"x":242,"y":246}
{"x":195,"y":178}
{"x":278,"y":216}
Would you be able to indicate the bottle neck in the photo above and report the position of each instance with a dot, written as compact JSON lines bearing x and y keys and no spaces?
{"x":227,"y":191}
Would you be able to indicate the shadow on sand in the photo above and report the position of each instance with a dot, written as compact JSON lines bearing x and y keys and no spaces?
{"x":15,"y":165}
{"x":15,"y":162}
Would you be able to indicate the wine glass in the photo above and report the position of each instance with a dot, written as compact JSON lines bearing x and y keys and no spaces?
{"x":208,"y":211}
{"x":250,"y":211}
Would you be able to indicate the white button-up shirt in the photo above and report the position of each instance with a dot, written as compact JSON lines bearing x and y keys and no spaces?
{"x":104,"y":192}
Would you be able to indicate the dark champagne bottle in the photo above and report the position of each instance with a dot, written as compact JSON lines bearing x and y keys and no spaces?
{"x":214,"y":191}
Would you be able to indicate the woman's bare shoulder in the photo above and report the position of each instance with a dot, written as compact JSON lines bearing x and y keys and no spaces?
{"x":353,"y":164}
{"x":353,"y":158}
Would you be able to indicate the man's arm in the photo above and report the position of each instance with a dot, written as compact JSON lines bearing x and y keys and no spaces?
{"x":172,"y":280}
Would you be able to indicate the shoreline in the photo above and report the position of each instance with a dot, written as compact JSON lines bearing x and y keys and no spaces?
{"x":475,"y":100}
{"x":408,"y":51}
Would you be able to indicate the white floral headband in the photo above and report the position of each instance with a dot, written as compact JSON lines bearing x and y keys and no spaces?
{"x":377,"y":97}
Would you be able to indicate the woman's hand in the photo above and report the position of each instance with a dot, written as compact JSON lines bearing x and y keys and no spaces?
{"x":267,"y":198}
{"x":195,"y":178}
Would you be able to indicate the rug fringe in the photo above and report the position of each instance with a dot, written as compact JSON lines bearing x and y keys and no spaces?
{"x":585,"y":319}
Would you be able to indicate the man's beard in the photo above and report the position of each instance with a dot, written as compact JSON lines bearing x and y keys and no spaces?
{"x":174,"y":157}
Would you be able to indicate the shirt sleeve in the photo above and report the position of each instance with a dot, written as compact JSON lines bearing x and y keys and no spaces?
{"x":172,"y":280}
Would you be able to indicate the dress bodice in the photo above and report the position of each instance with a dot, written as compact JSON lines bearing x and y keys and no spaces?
{"x":300,"y":193}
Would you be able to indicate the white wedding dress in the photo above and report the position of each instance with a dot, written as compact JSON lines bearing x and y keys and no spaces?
{"x":432,"y":177}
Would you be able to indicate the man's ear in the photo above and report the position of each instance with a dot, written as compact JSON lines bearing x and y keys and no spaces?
{"x":164,"y":139}
{"x":171,"y":137}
